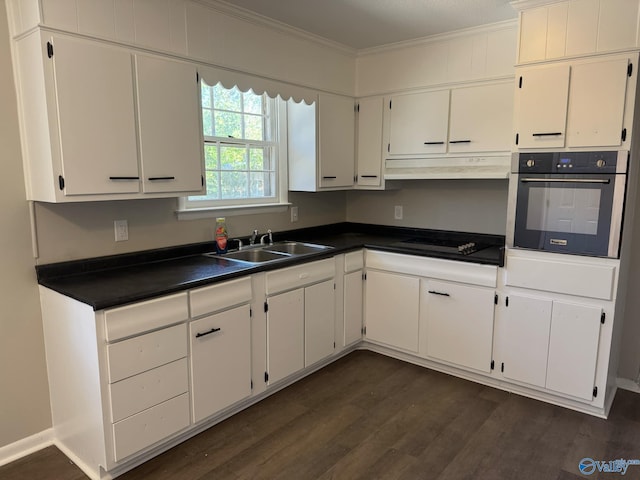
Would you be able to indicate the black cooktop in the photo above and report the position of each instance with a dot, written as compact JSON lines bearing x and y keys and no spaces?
{"x":442,"y":245}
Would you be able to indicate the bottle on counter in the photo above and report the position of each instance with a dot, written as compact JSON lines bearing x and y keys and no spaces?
{"x":221,"y":235}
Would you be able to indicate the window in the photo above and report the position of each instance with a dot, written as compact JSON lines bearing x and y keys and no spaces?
{"x":241,"y":149}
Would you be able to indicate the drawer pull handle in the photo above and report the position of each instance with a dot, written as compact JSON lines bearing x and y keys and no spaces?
{"x":433,"y":292}
{"x":213,"y":330}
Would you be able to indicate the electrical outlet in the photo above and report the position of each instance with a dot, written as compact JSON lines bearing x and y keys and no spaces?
{"x":397,"y":212}
{"x":121,"y":228}
{"x":294,"y":214}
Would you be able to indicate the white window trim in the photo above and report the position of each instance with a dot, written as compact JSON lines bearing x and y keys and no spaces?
{"x":245,"y":206}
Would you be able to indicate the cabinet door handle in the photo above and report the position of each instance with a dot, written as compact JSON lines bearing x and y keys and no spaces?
{"x":213,"y":330}
{"x":546,"y":134}
{"x":151,"y":179}
{"x":444,"y":294}
{"x":459,"y":141}
{"x":329,"y":178}
{"x":369,"y":176}
{"x":434,"y":143}
{"x":124,"y":178}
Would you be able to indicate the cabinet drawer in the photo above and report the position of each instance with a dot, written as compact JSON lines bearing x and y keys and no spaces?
{"x":139,"y":354}
{"x":298,"y":276}
{"x":137,"y":393}
{"x":221,"y":296}
{"x":353,"y":261}
{"x":145,"y":316}
{"x":463,"y":272}
{"x":585,"y":280}
{"x":151,"y":426}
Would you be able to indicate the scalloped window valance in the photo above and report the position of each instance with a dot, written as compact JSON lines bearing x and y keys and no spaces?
{"x":259,"y":85}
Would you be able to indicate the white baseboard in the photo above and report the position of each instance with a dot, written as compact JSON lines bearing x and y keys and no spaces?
{"x":628,"y":384}
{"x":26,"y":446}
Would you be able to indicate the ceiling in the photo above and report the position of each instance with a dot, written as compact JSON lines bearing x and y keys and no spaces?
{"x":361,"y":24}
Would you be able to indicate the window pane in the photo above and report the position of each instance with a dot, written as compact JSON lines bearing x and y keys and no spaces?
{"x":227,"y":99}
{"x":205,"y":93}
{"x":233,"y":158}
{"x":252,"y":102}
{"x":213,"y":187}
{"x":262,"y":184}
{"x":256,"y":159}
{"x":211,"y":157}
{"x":207,"y":122}
{"x":234,"y":184}
{"x":253,"y":127}
{"x":228,"y":125}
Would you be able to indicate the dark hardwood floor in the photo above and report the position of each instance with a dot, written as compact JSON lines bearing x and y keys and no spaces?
{"x":367,"y":416}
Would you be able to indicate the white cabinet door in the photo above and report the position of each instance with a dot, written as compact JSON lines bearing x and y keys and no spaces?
{"x":573,"y":349}
{"x":541,"y":100}
{"x":319,"y":321}
{"x":596,"y":103}
{"x":96,"y":115}
{"x":369,"y":144}
{"x":336,"y":122}
{"x":419,"y":123}
{"x":220,"y":361}
{"x":459,"y":323}
{"x":169,"y":126}
{"x":525,"y":339}
{"x":481,"y":118}
{"x":285,"y":334}
{"x":353,"y":307}
{"x":391,"y":309}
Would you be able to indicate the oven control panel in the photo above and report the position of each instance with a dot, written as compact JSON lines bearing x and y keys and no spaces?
{"x":569,"y":162}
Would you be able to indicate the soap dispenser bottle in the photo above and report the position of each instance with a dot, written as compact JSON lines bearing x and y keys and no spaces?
{"x":221,"y":235}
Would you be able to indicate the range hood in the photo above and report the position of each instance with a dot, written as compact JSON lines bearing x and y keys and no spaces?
{"x":497,"y":166}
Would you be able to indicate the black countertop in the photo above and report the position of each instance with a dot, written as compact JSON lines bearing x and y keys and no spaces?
{"x":111,"y":281}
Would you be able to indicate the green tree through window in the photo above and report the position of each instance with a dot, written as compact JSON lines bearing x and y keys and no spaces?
{"x":240,"y":146}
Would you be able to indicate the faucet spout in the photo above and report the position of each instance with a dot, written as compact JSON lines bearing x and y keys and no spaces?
{"x":253,"y":238}
{"x":269,"y":235}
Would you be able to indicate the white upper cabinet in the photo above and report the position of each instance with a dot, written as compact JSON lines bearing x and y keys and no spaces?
{"x":481,"y":118}
{"x":541,"y":106}
{"x":84,"y":136}
{"x":321,"y":144}
{"x":584,"y":103}
{"x":418,"y":123}
{"x":168,"y":125}
{"x":369,"y":142}
{"x":597,"y":103}
{"x":97,"y":121}
{"x":336,"y":135}
{"x":576,"y":27}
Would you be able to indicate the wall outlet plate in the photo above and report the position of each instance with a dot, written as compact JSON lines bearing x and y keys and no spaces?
{"x":294,"y":214}
{"x":121,"y":228}
{"x":397,"y":212}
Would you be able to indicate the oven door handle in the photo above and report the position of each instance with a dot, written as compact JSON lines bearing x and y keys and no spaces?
{"x":566,"y":180}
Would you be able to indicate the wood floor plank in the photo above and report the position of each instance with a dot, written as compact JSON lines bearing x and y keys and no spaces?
{"x":367,"y":416}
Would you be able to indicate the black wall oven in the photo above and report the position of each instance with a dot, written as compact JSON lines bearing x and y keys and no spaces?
{"x":570,"y":202}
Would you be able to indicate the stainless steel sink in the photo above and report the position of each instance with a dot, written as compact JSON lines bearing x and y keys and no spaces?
{"x":271,"y":253}
{"x":295,"y":248}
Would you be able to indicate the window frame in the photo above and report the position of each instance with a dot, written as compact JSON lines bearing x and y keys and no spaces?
{"x":205,"y":208}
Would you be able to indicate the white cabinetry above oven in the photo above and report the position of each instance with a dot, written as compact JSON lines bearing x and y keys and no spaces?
{"x":582,"y":103}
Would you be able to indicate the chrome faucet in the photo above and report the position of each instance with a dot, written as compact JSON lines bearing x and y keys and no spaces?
{"x":253,"y":238}
{"x":268,"y":234}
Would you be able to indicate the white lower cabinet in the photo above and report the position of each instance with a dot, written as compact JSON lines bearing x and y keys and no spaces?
{"x":285,"y":334}
{"x":551,"y":344}
{"x":456,"y":323}
{"x":300,"y":315}
{"x":391,"y":306}
{"x":353,"y":300}
{"x":220,"y":361}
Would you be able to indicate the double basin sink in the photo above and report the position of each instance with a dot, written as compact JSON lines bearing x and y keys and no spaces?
{"x":255,"y":254}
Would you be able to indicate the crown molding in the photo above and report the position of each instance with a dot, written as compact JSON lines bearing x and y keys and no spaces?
{"x":520,"y":5}
{"x":440,"y":37}
{"x":263,"y":21}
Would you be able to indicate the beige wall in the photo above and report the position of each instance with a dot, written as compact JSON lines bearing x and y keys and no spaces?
{"x":463,"y":205}
{"x":82,"y":230}
{"x":24,"y":395}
